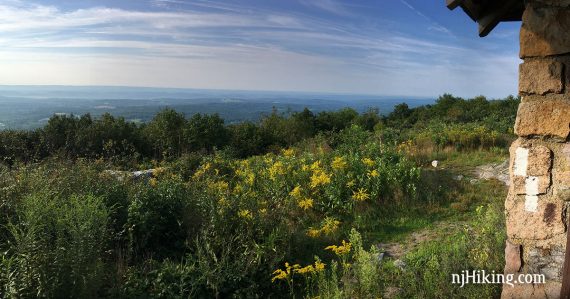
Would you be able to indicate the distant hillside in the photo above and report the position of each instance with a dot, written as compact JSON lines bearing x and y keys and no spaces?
{"x":29,"y":107}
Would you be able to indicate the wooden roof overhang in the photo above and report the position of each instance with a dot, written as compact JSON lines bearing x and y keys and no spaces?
{"x":489,"y":13}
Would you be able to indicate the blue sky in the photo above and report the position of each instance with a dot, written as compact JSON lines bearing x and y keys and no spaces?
{"x":381,"y":47}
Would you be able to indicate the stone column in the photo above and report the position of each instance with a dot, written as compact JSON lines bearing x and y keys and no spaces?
{"x":537,"y":205}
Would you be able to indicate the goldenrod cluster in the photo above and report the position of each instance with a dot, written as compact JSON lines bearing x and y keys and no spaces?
{"x":306,"y":203}
{"x":339,"y":163}
{"x":276,"y":169}
{"x":245,"y":214}
{"x":329,"y":226}
{"x":373,"y":173}
{"x":319,"y":178}
{"x":284,"y":274}
{"x":340,"y":249}
{"x":368,"y":162}
{"x":288,"y":152}
{"x":360,"y":195}
{"x":202,"y":170}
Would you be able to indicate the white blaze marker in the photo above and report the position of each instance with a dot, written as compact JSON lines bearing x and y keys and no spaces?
{"x":531,"y":203}
{"x":521,"y":161}
{"x":531,"y":185}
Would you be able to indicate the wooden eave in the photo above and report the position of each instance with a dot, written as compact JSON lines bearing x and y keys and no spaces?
{"x":489,"y":13}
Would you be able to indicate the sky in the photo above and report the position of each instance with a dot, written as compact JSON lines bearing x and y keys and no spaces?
{"x":380,"y":47}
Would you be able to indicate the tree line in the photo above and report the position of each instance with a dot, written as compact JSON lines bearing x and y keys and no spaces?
{"x":170,"y":134}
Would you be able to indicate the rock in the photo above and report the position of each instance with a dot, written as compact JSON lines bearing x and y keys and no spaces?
{"x":494,"y":171}
{"x":512,"y":257}
{"x":400,"y":264}
{"x":539,"y":161}
{"x":544,"y":31}
{"x":434,"y":163}
{"x":131,"y":175}
{"x":543,"y":118}
{"x":531,"y":185}
{"x":547,"y":261}
{"x":540,"y":220}
{"x":541,"y":77}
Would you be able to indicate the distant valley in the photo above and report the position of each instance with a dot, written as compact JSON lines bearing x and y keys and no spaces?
{"x":29,"y":107}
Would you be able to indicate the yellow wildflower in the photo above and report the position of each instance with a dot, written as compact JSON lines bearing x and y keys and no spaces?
{"x":340,"y":249}
{"x":245,"y":214}
{"x":222,"y":201}
{"x":360,"y":195}
{"x":319,"y":266}
{"x":276,"y":169}
{"x":306,"y":270}
{"x":280,"y":274}
{"x":238,"y":189}
{"x":305,"y":167}
{"x":153,"y":182}
{"x":219,"y":186}
{"x":296,"y":192}
{"x":350,"y":184}
{"x":288,"y":152}
{"x":373,"y":173}
{"x":306,"y":203}
{"x":338,"y":163}
{"x":263,"y":211}
{"x":202,"y":170}
{"x":330,"y":225}
{"x":250,"y":179}
{"x":316,"y":165}
{"x":368,"y":162}
{"x":319,"y":177}
{"x":313,"y":232}
{"x":159,"y":171}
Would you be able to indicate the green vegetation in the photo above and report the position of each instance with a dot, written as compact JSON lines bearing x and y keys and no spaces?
{"x":292,"y":206}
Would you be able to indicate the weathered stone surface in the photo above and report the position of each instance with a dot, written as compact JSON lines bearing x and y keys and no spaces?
{"x":544,"y":31}
{"x":543,"y":224}
{"x":539,"y":161}
{"x":512,"y":257}
{"x":531,"y":185}
{"x":531,"y":291}
{"x":543,"y":118}
{"x":541,"y":76}
{"x":561,"y":183}
{"x":548,"y":290}
{"x":531,"y":166}
{"x":544,"y":260}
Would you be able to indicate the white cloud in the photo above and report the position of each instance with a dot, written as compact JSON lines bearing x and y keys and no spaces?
{"x":230,"y":47}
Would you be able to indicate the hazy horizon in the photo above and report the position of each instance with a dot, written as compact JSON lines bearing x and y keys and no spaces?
{"x":29,"y":107}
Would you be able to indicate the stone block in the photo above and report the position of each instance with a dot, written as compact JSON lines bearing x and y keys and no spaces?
{"x":513,"y":261}
{"x":531,"y":185}
{"x":544,"y":117}
{"x":561,"y":184}
{"x":539,"y":161}
{"x":544,"y":31}
{"x":543,"y":223}
{"x":545,"y":260}
{"x":541,"y":76}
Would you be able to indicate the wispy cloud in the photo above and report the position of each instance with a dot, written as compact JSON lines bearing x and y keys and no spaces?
{"x":331,"y":6}
{"x":435,"y":25}
{"x":212,"y":44}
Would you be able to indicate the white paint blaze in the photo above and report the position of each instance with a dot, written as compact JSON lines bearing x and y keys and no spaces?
{"x":521,"y":161}
{"x":531,"y":203}
{"x":531,"y":185}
